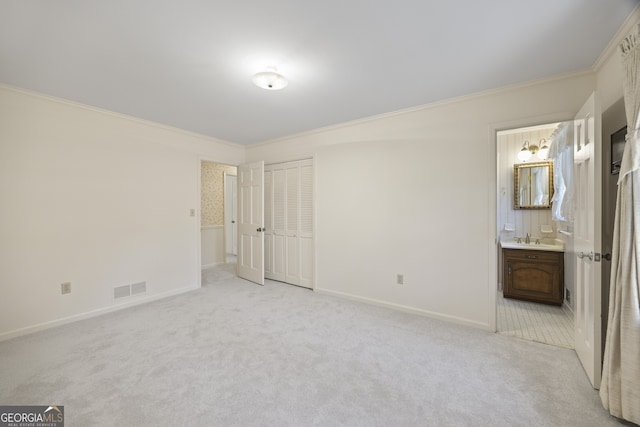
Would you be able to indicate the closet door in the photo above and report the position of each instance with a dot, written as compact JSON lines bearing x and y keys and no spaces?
{"x":292,"y":254}
{"x":288,"y":214}
{"x":305,"y":235}
{"x":276,"y":229}
{"x":268,"y":223}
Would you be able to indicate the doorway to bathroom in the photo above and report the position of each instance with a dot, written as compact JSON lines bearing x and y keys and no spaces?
{"x":533,"y":310}
{"x":581,"y":207}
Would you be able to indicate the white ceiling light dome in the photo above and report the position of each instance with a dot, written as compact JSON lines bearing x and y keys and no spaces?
{"x":270,"y":79}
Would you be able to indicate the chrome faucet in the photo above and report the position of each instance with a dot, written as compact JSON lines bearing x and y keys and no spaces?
{"x":527,"y":239}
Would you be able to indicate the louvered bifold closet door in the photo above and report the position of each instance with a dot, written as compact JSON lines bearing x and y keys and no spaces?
{"x":268,"y":223}
{"x":293,"y":181}
{"x":277,"y":228}
{"x":305,"y":234}
{"x":290,"y":224}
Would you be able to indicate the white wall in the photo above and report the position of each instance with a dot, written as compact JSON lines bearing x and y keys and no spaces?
{"x":415,"y":193}
{"x":212,"y":245}
{"x":96,"y":199}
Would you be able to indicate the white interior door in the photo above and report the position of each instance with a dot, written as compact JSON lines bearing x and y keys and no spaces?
{"x":251,"y":222}
{"x":587,"y":238}
{"x":231,"y":214}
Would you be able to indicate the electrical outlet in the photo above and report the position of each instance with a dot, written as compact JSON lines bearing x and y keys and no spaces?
{"x":400,"y":279}
{"x":65,"y":288}
{"x":192,"y":212}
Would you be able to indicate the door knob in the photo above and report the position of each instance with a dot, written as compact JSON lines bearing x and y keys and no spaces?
{"x":607,"y":257}
{"x":581,"y":255}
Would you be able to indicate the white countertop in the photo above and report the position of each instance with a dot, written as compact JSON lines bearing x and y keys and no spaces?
{"x":556,"y":246}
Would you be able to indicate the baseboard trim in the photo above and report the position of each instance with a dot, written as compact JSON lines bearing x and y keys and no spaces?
{"x":406,"y":309}
{"x":94,"y":313}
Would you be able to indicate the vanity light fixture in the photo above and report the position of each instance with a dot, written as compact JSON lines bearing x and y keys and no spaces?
{"x":270,"y":79}
{"x":529,"y":150}
{"x":544,"y":149}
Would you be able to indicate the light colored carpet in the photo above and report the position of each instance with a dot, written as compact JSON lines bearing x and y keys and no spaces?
{"x":237,"y":354}
{"x":218,"y":273}
{"x":535,"y":322}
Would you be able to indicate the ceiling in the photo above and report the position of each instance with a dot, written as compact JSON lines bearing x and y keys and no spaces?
{"x":189,"y":63}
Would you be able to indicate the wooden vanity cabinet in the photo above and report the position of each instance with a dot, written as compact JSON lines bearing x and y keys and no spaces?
{"x":533,"y":275}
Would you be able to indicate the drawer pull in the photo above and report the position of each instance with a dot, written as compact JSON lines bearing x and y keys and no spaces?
{"x":532,"y":256}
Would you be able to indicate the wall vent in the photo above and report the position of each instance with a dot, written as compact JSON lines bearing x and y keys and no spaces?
{"x":129,"y":290}
{"x":122,"y":291}
{"x":138,"y":288}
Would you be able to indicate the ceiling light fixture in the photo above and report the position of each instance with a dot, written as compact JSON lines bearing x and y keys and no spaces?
{"x":270,"y":79}
{"x":529,"y":150}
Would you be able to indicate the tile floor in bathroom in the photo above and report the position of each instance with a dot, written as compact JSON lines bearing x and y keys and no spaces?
{"x":535,"y":322}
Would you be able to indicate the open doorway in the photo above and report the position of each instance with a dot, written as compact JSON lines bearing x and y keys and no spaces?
{"x":533,"y":297}
{"x":216,"y":209}
{"x":231,"y":216}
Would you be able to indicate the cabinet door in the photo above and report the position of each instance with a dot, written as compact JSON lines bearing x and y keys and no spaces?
{"x":534,"y":277}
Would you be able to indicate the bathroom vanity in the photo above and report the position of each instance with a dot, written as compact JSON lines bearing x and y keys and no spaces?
{"x":533,"y":273}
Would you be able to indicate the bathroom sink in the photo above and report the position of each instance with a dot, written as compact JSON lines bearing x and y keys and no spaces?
{"x":557,"y":246}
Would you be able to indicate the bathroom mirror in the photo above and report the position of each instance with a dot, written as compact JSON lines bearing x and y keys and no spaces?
{"x":533,"y":185}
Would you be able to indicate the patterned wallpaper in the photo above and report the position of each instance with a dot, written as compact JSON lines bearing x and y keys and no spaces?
{"x":212,"y":197}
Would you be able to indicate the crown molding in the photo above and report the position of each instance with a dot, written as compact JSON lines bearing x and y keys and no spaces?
{"x":82,"y":106}
{"x":632,"y":20}
{"x":424,"y":107}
